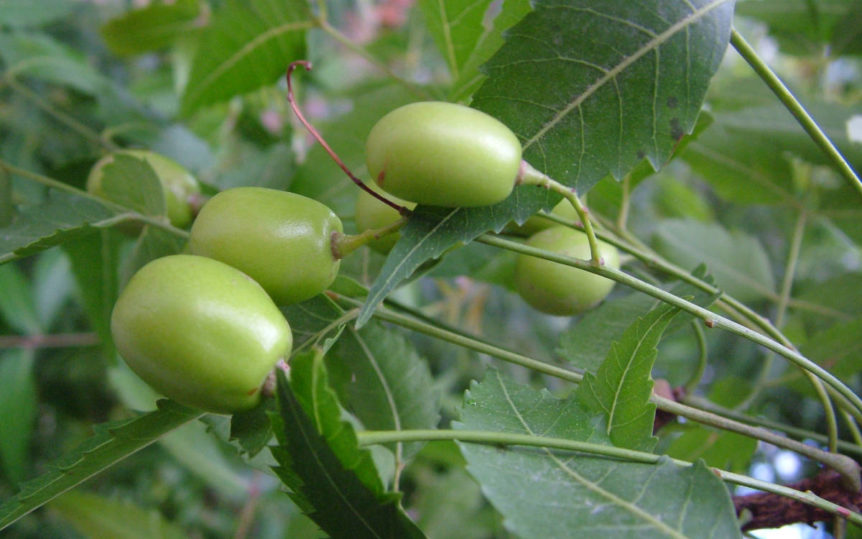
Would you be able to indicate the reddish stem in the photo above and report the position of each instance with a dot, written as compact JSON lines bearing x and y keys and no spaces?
{"x":292,"y":100}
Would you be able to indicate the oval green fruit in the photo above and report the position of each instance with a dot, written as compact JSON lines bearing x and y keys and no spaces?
{"x":180,"y":188}
{"x":443,"y":154}
{"x":372,"y":214}
{"x":282,"y":240}
{"x":558,"y":289}
{"x":200,"y":332}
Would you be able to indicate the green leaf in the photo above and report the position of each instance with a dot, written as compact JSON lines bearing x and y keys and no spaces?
{"x":39,"y":56}
{"x":153,"y":243}
{"x":131,"y":182}
{"x":587,"y":343}
{"x":562,"y":494}
{"x":594,"y":88}
{"x":842,"y":294}
{"x":736,"y":260}
{"x":376,"y":372}
{"x":803,"y":26}
{"x":18,"y":402}
{"x":111,"y":443}
{"x":61,"y":218}
{"x":720,"y":449}
{"x":151,"y":28}
{"x":247,"y":45}
{"x":456,"y":26}
{"x":838,"y":349}
{"x":564,"y":86}
{"x":52,"y":285}
{"x":469,"y":77}
{"x":16,"y":302}
{"x":94,"y":264}
{"x":96,"y":516}
{"x":21,"y":12}
{"x":622,"y":386}
{"x":330,"y":478}
{"x":430,"y":232}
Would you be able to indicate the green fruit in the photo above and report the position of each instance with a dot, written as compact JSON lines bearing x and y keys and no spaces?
{"x":563,"y":210}
{"x":443,"y":154}
{"x":372,"y":214}
{"x":558,"y":289}
{"x":200,"y":332}
{"x":180,"y":188}
{"x":282,"y":240}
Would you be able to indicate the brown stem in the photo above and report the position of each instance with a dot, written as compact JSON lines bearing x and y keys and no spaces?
{"x":61,"y":340}
{"x":291,"y":99}
{"x":767,"y":510}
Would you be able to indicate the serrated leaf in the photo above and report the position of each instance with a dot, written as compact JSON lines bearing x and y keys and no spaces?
{"x":96,"y":516}
{"x":61,"y":218}
{"x":594,"y":88}
{"x":377,"y":373}
{"x":430,"y":232}
{"x":579,"y":94}
{"x":150,"y":28}
{"x":622,"y":386}
{"x":469,"y":76}
{"x":330,"y":478}
{"x":111,"y":443}
{"x":252,"y":429}
{"x":18,"y":402}
{"x":456,"y":26}
{"x":574,"y":495}
{"x":736,"y":260}
{"x":587,"y":343}
{"x":247,"y":45}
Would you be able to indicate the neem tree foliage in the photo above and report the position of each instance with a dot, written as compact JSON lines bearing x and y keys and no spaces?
{"x":597,"y":252}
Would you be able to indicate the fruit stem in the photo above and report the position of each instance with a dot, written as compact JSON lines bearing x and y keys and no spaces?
{"x":344,"y":244}
{"x":291,"y":99}
{"x":528,"y":175}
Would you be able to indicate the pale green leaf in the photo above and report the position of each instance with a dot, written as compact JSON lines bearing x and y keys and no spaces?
{"x":96,"y":516}
{"x":151,"y":28}
{"x":18,"y":403}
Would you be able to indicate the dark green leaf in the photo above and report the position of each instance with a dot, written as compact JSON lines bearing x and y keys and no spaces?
{"x":38,"y":56}
{"x":111,"y":443}
{"x":456,"y":26}
{"x":838,"y":349}
{"x":330,"y":478}
{"x":96,"y":516}
{"x":253,"y":429}
{"x":153,"y":243}
{"x":151,"y":28}
{"x":720,"y":449}
{"x":574,"y":495}
{"x":594,"y":88}
{"x":247,"y":45}
{"x":736,"y":260}
{"x":587,"y":343}
{"x":16,"y":302}
{"x":842,"y":295}
{"x":622,"y":386}
{"x":18,"y":402}
{"x":377,"y":373}
{"x":61,"y":218}
{"x":94,"y":264}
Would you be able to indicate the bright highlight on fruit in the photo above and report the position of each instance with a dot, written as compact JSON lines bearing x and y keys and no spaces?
{"x":200,"y":332}
{"x":443,"y":154}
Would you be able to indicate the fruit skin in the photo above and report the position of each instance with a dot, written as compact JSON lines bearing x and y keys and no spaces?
{"x":372,"y":214}
{"x":443,"y":154}
{"x":200,"y":332}
{"x":281,"y":240}
{"x":558,"y":289}
{"x":178,"y":185}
